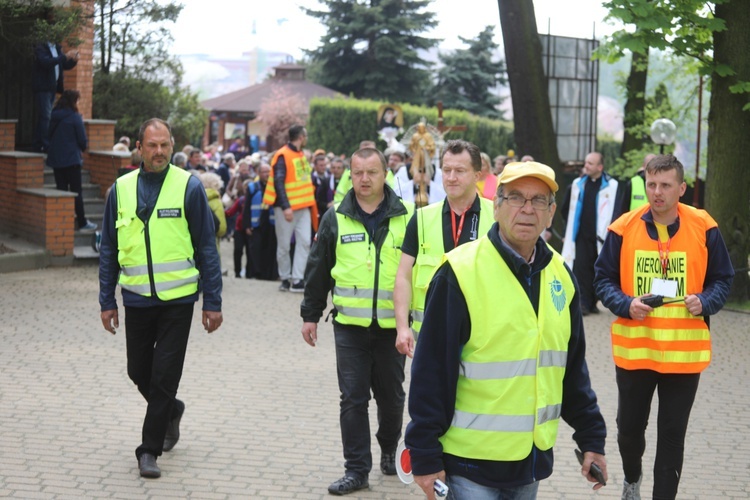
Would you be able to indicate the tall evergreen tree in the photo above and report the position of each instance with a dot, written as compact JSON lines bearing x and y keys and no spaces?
{"x":469,"y":75}
{"x":371,"y":48}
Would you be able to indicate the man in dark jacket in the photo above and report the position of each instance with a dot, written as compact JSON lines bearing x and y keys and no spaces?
{"x":501,"y":356}
{"x":158,"y":243}
{"x":46,"y":81}
{"x":355,"y":255}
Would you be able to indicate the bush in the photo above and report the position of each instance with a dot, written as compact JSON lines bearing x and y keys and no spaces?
{"x":340,"y":124}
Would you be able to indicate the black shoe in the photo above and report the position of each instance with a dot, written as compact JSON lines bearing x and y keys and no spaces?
{"x":388,"y":463}
{"x":173,"y":429}
{"x":284,"y":286}
{"x":298,"y":287}
{"x":148,"y":467}
{"x":348,"y":484}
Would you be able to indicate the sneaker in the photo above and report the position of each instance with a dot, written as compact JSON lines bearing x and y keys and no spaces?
{"x":298,"y":287}
{"x":388,"y":463}
{"x":348,"y":484}
{"x":284,"y":286}
{"x":632,"y":491}
{"x":89,"y":226}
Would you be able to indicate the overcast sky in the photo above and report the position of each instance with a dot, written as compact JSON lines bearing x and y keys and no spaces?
{"x":227,"y":28}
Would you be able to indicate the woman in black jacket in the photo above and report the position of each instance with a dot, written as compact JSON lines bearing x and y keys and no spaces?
{"x":67,"y":142}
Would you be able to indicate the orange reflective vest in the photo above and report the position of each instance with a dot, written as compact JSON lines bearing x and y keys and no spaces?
{"x":670,"y":339}
{"x":298,"y":182}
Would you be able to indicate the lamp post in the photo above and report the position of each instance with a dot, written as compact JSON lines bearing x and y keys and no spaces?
{"x":663,"y":132}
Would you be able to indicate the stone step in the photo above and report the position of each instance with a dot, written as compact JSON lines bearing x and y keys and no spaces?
{"x":89,"y":190}
{"x":83,"y":238}
{"x":85,"y":254}
{"x":49,"y":177}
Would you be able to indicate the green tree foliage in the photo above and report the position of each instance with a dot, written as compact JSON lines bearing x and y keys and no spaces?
{"x":718,"y":39}
{"x":135,"y":36}
{"x":371,"y":48}
{"x":468,"y":76}
{"x":25,"y":24}
{"x":135,"y":77}
{"x":340,"y":124}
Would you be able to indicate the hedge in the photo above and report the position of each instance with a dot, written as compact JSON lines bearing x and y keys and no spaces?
{"x":340,"y":124}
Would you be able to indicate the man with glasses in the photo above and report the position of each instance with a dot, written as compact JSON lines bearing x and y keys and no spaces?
{"x":501,"y":356}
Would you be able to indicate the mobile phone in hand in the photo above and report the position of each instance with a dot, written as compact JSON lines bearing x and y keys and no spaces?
{"x":594,"y":470}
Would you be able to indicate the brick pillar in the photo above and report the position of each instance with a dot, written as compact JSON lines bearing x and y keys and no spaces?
{"x":101,"y":134}
{"x":81,"y":77}
{"x":8,"y":135}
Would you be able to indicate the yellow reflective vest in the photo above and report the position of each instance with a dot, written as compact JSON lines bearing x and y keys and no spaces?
{"x":432,"y":249}
{"x":637,"y":192}
{"x":509,"y":393}
{"x":364,"y":274}
{"x":156,"y":258}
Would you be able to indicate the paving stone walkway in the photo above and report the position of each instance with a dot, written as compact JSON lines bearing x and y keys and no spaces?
{"x":262,"y":406}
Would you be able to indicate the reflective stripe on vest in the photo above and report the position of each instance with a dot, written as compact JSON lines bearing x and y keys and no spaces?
{"x":670,"y":339}
{"x":257,"y":206}
{"x":364,"y":276}
{"x":431,"y":250}
{"x":298,"y":182}
{"x":637,"y":192}
{"x":512,"y":352}
{"x":157,"y":257}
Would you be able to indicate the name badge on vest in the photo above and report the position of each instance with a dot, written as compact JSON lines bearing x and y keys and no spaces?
{"x":169,"y":213}
{"x":667,"y":288}
{"x":352,"y":238}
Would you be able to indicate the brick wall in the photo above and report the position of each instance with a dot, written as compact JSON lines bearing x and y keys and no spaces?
{"x":81,"y":77}
{"x":101,"y":134}
{"x":8,"y":135}
{"x":103,"y":167}
{"x":43,"y":216}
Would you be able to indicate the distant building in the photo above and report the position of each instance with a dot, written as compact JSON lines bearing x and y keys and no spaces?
{"x":231,"y":115}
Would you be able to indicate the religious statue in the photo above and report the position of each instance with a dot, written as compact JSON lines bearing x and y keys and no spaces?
{"x":422,"y":148}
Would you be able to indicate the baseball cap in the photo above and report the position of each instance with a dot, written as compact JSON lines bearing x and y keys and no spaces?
{"x":517,"y":170}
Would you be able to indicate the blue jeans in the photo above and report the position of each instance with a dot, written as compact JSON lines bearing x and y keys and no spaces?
{"x":463,"y":489}
{"x":368,"y":360}
{"x":44,"y":102}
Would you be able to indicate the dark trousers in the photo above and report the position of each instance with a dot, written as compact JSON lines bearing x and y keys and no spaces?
{"x":676,"y":396}
{"x":44,"y":102}
{"x":583,"y":269}
{"x":156,"y":339}
{"x":69,"y":179}
{"x":368,"y":360}
{"x":241,"y":245}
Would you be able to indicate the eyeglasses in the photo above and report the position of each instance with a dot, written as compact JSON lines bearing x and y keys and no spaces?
{"x":540,"y":203}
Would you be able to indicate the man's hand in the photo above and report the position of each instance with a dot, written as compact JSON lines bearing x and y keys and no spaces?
{"x":405,"y":341}
{"x":288,"y":214}
{"x":588,"y":458}
{"x":110,"y":320}
{"x":694,"y":305}
{"x":72,"y":54}
{"x":638,"y":310}
{"x":427,"y":483}
{"x":249,"y":231}
{"x":310,"y":332}
{"x":212,"y":320}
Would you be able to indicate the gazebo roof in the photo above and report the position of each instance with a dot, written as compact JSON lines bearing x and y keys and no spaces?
{"x":250,"y":99}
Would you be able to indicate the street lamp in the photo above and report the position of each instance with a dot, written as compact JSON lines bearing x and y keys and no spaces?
{"x":663,"y":132}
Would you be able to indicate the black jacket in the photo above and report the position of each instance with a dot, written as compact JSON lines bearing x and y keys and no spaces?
{"x":322,"y":258}
{"x":43,"y":73}
{"x":432,"y":395}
